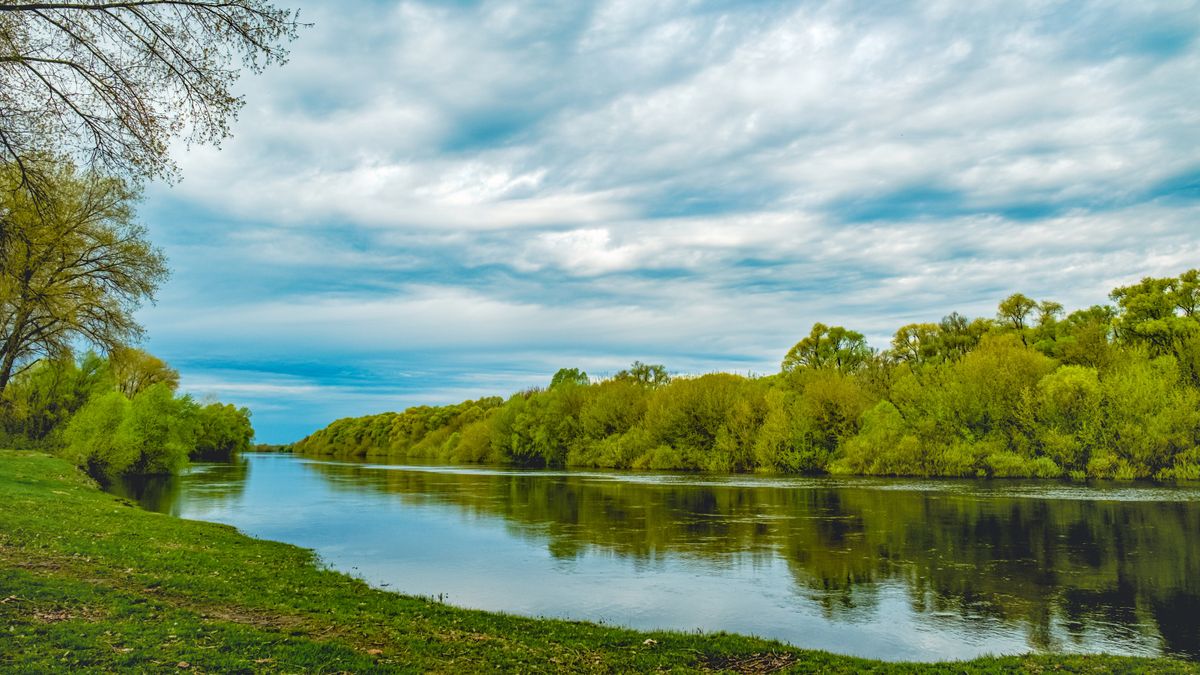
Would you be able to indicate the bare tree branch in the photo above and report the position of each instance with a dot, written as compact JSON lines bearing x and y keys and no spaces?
{"x":111,"y":84}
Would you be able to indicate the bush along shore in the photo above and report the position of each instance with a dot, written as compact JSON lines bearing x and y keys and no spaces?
{"x":90,"y":583}
{"x":1111,"y":391}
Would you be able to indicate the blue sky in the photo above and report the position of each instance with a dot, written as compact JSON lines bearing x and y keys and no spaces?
{"x":441,"y":200}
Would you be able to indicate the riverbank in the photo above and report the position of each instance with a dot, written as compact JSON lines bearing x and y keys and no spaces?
{"x":89,"y":581}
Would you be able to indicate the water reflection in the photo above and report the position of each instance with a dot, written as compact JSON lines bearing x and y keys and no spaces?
{"x":202,"y":484}
{"x":868,"y":567}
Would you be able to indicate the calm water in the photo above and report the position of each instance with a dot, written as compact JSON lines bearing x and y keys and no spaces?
{"x":900,"y":570}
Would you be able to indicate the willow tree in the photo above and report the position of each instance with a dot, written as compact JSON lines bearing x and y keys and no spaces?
{"x":113,"y":83}
{"x":73,"y":267}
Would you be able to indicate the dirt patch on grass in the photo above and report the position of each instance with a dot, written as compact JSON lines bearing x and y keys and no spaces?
{"x":769,"y":662}
{"x":258,"y":619}
{"x":63,"y":614}
{"x":12,"y":556}
{"x":43,"y":613}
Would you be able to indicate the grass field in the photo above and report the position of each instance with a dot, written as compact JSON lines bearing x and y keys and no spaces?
{"x":90,"y":582}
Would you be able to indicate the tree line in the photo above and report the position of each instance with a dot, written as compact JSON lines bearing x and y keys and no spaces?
{"x":117,"y":415}
{"x":1110,"y":391}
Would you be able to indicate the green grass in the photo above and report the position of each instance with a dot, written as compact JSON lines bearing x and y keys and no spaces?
{"x":89,"y":582}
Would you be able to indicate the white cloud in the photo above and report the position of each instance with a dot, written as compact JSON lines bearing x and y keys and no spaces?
{"x":679,"y":179}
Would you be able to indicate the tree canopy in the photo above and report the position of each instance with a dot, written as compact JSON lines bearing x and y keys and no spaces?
{"x":136,"y":370}
{"x":74,"y":266}
{"x":828,"y":347}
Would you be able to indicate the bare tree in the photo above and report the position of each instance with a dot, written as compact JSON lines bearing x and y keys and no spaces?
{"x":111,"y":83}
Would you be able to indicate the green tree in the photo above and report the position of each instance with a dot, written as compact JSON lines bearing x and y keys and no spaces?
{"x":222,"y":431}
{"x":917,"y":343}
{"x":568,"y":376}
{"x":135,"y":370}
{"x":1048,"y":313}
{"x":39,"y":402}
{"x":1085,"y":338}
{"x":959,"y":335}
{"x":1159,"y":313}
{"x":645,"y":374}
{"x":113,"y":436}
{"x":828,"y":347}
{"x":1015,"y":310}
{"x":74,"y":266}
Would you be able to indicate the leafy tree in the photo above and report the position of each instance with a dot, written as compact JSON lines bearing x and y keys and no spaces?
{"x":41,"y":400}
{"x":1084,"y":338}
{"x":917,"y":343}
{"x":568,"y":376}
{"x":1067,"y":416}
{"x":1159,"y":313}
{"x":222,"y":431}
{"x":113,"y":436}
{"x":828,"y":347}
{"x":93,"y":441}
{"x":1014,"y":311}
{"x":959,"y":335}
{"x":115,"y":82}
{"x":1048,"y":312}
{"x":645,"y":374}
{"x":74,"y":267}
{"x":695,"y":415}
{"x":135,"y":370}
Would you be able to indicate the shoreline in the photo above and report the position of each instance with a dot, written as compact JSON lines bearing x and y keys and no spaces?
{"x":120,"y":588}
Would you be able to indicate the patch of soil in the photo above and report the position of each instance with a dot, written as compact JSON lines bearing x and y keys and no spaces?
{"x":769,"y":662}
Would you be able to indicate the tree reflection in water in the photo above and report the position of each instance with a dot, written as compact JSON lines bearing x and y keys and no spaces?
{"x":206,"y":484}
{"x":1060,"y":567}
{"x":1070,"y":568}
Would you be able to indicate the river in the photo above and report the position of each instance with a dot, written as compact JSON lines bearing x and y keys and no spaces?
{"x":917,"y":570}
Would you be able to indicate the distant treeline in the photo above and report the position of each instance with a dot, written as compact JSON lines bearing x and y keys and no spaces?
{"x":1111,"y":391}
{"x":117,"y":415}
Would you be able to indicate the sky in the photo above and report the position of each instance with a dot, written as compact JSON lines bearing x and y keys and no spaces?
{"x":436,"y":201}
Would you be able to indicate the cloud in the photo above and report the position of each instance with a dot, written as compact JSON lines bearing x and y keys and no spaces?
{"x":431,"y":192}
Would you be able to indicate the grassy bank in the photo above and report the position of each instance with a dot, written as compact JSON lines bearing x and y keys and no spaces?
{"x":88,"y":581}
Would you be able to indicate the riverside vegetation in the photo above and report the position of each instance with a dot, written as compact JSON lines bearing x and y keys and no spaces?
{"x":1111,"y":391}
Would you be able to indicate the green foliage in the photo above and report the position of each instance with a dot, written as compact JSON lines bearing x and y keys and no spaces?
{"x":444,"y":433}
{"x":73,"y":265}
{"x":828,"y":347}
{"x":222,"y":431}
{"x":135,"y":370}
{"x":568,"y":377}
{"x":1096,"y":394}
{"x":37,"y":403}
{"x":1160,"y":314}
{"x":113,"y":419}
{"x":645,"y":374}
{"x":152,"y":433}
{"x":1014,"y":311}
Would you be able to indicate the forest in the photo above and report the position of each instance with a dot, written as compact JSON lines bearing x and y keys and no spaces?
{"x":1107,"y":392}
